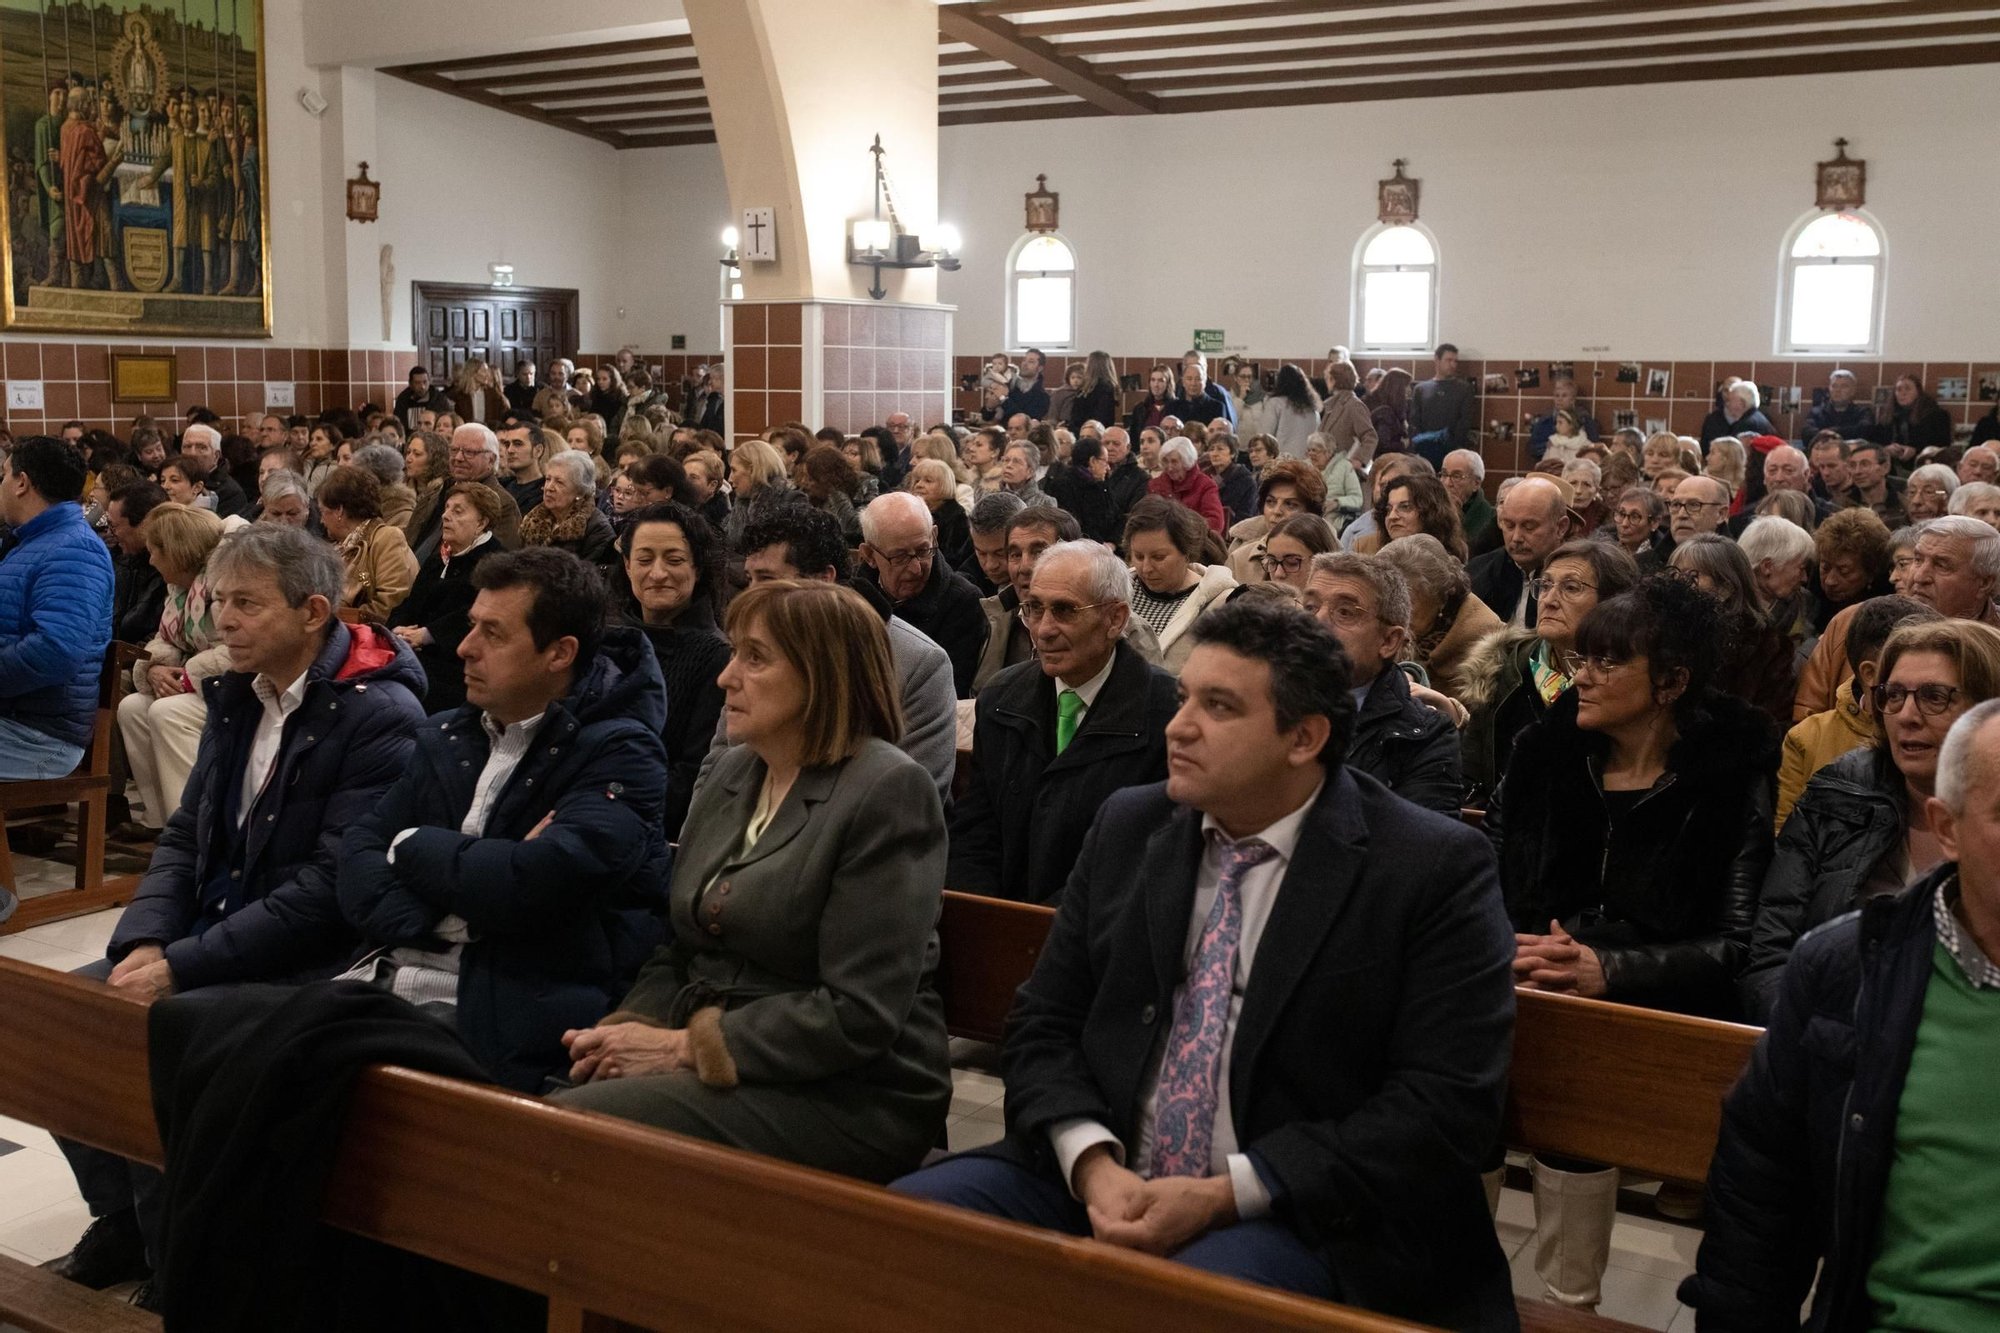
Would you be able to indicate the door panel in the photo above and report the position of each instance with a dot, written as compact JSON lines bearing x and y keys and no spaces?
{"x":458,"y":322}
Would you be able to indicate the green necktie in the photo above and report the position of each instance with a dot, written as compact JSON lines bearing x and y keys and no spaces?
{"x":1069,"y":707}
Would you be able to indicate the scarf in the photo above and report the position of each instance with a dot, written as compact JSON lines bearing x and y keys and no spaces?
{"x":445,"y":553}
{"x":542,"y":527}
{"x":1549,"y":682}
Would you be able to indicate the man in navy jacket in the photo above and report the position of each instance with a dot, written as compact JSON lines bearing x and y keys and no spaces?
{"x":1269,"y":1034}
{"x":304,"y":734}
{"x":1027,"y":394}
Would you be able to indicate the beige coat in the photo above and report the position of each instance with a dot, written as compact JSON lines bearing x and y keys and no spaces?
{"x":1349,"y":430}
{"x":380,"y":568}
{"x":1216,"y":582}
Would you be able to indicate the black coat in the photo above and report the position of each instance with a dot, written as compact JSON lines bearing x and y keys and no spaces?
{"x":1717,"y":423}
{"x":1369,"y":1062}
{"x":441,"y":601}
{"x":1032,"y":401}
{"x":138,"y":596}
{"x":1497,"y":581}
{"x":954,"y":532}
{"x":1142,"y":416}
{"x":1127,"y":484}
{"x":1665,"y":896}
{"x":1849,"y":817}
{"x":1408,"y":748}
{"x":1100,"y":405}
{"x":1809,"y":1132}
{"x":691,"y":653}
{"x":230,"y":500}
{"x":560,"y":923}
{"x":1017,"y":831}
{"x":279,"y":918}
{"x":946,"y":609}
{"x":1918,"y":429}
{"x":1239,"y":492}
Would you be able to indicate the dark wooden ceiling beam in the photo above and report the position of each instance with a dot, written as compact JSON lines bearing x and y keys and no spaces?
{"x":1523,"y":59}
{"x":1264,"y":11}
{"x":1624,"y":32}
{"x":589,"y":74}
{"x":567,"y":97}
{"x":637,"y":123}
{"x":1000,"y":40}
{"x":439,"y":84}
{"x":552,"y":56}
{"x":1063,"y":111}
{"x":668,"y":140}
{"x":1000,"y":97}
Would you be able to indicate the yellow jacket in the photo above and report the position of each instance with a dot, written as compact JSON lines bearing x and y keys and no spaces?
{"x":1819,"y":740}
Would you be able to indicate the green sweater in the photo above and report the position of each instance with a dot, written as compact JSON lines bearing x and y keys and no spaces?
{"x":1938,"y":1270}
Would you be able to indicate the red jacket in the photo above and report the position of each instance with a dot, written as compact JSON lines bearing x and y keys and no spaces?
{"x":1196,"y":490}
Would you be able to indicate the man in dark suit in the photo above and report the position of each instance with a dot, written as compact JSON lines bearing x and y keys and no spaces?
{"x":899,"y":550}
{"x":1054,"y":737}
{"x":1269,"y":1033}
{"x":1534,"y":520}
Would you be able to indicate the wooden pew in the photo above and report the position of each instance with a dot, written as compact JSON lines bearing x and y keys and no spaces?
{"x":613,"y":1221}
{"x":90,"y":787}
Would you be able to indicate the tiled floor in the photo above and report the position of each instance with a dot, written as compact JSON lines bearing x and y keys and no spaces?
{"x":41,"y":1215}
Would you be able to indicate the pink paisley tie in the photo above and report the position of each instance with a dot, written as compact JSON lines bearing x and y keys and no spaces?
{"x":1184,"y":1107}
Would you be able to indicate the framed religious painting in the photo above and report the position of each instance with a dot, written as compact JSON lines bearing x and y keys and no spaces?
{"x":137,"y":195}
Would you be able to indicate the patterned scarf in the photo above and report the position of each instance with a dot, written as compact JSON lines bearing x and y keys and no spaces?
{"x":1549,"y":682}
{"x":543,"y":528}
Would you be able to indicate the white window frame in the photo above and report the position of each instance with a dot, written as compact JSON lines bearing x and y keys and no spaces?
{"x":1013,"y":277}
{"x":1357,"y":292}
{"x":1788,"y":268}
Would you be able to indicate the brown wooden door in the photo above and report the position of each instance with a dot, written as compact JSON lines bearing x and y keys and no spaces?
{"x":457,"y":321}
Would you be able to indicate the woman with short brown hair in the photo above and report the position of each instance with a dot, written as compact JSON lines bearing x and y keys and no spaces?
{"x":794,"y":1012}
{"x":380,"y":565}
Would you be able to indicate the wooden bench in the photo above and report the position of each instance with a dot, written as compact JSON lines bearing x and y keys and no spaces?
{"x":90,"y":787}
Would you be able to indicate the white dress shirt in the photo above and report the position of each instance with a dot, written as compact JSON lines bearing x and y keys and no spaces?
{"x":1090,"y":689}
{"x":424,"y":976}
{"x":1258,"y":891}
{"x":269,"y":737}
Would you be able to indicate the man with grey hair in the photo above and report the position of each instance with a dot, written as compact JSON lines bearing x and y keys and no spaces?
{"x":1055,"y":736}
{"x":474,"y":455}
{"x":1534,"y":520}
{"x":1700,"y":505}
{"x":1464,"y":477}
{"x":986,"y":568}
{"x":901,"y":563}
{"x":1127,"y":480}
{"x":203,"y":444}
{"x":1979,"y":463}
{"x":1956,"y":569}
{"x":242,"y":885}
{"x":1856,"y":1154}
{"x":1399,"y":742}
{"x":1839,"y":411}
{"x":285,"y":500}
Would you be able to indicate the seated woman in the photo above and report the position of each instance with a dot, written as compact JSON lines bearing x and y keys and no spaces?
{"x":1233,"y":482}
{"x":162,"y":718}
{"x":794,"y":1011}
{"x":1181,"y":481}
{"x":865,"y":457}
{"x":435,"y":618}
{"x":1417,"y":503}
{"x":1446,"y":620}
{"x":1927,"y":494}
{"x":568,"y":517}
{"x":1638,"y":518}
{"x":1288,"y":487}
{"x":399,"y":501}
{"x":1290,"y":547}
{"x":1633,"y":830}
{"x":1759,"y":660}
{"x":1163,"y":538}
{"x":1854,"y":560}
{"x":1780,"y":554}
{"x":828,"y":480}
{"x":380,"y":565}
{"x":425,"y":473}
{"x":673,"y":565}
{"x":931,"y":481}
{"x":1512,"y":677}
{"x":185,"y":480}
{"x":1860,"y":828}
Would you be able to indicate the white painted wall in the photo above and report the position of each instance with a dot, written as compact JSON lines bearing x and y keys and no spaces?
{"x":1646,"y":220}
{"x":672,"y":206}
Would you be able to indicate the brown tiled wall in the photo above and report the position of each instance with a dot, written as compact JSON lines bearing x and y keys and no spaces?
{"x":881,"y":359}
{"x":1689,"y":397}
{"x":767,"y":379}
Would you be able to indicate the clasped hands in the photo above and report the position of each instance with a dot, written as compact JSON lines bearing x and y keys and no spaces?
{"x":1156,"y":1216}
{"x":144,"y":974}
{"x":1556,"y":962}
{"x":624,"y":1050}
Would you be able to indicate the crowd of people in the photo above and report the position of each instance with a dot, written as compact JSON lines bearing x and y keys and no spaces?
{"x":639,"y":759}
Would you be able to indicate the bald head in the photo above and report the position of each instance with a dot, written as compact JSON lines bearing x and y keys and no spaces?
{"x":1785,"y":469}
{"x":1534,"y":520}
{"x":899,"y":541}
{"x":1700,"y":504}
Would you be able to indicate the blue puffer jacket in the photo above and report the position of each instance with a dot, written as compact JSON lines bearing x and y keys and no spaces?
{"x":279,"y":917}
{"x":559,"y":923}
{"x":55,"y":623}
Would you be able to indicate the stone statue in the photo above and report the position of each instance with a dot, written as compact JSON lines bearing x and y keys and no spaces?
{"x":388,"y":288}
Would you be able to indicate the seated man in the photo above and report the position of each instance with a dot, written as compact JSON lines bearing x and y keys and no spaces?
{"x":1399,"y":742}
{"x":800,"y":542}
{"x":986,"y":568}
{"x":1029,"y":532}
{"x":1857,"y":1150}
{"x":511,"y":881}
{"x":1056,"y":736}
{"x":1269,"y":1034}
{"x":56,"y":584}
{"x":140,"y":593}
{"x":899,"y":546}
{"x":305,"y":732}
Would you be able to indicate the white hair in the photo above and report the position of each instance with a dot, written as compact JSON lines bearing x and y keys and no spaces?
{"x":580,"y":467}
{"x":1584,"y":467}
{"x":1506,"y":489}
{"x":1776,"y":539}
{"x":1108,"y":578}
{"x":472,"y":430}
{"x":282,"y":483}
{"x":1954,"y":758}
{"x":1969,"y":495}
{"x":1985,"y":540}
{"x":1748,"y":390}
{"x":882,"y":509}
{"x":1936,"y":472}
{"x":1783,"y":448}
{"x":205,"y":431}
{"x":1473,"y":462}
{"x":1180,"y":447}
{"x":1840,"y":375}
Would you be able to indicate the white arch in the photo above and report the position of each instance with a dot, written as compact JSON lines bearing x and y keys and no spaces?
{"x":1016,"y":336}
{"x":1817,"y":311}
{"x":1412,"y":285}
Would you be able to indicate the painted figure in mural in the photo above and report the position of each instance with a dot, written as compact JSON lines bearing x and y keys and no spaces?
{"x":228,"y":195}
{"x":48,"y":175}
{"x":111,"y":138}
{"x":181,"y":159}
{"x":250,"y":205}
{"x":82,"y":158}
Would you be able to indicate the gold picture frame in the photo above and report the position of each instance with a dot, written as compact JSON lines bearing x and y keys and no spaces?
{"x":170,"y":231}
{"x":144,"y":377}
{"x":1842,"y":180}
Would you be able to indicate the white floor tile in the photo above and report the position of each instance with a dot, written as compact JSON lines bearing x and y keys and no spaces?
{"x":1637,"y":1298}
{"x":963,"y":1134}
{"x":27,"y":1135}
{"x":79,"y":934}
{"x":23,"y":949}
{"x":46,"y":1233}
{"x":31,"y":1181}
{"x":1653,"y":1245}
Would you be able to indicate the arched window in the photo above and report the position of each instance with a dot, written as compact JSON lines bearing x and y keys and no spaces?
{"x":1832,"y":299}
{"x":1395,"y":290}
{"x":1041,"y":292}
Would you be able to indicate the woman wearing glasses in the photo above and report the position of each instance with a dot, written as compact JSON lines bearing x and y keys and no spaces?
{"x":1634,"y":830}
{"x":1512,"y":676}
{"x":1859,"y":830}
{"x":1291,"y":546}
{"x":1759,"y":659}
{"x":1637,"y":520}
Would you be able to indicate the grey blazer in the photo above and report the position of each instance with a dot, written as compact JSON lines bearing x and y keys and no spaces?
{"x":820,"y":945}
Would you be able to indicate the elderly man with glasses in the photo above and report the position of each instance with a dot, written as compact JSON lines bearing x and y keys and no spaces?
{"x":1700,"y":504}
{"x":901,"y":561}
{"x":1055,"y":736}
{"x":474,"y":456}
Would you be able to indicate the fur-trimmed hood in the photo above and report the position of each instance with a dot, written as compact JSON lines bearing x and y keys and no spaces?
{"x":1502,"y":652}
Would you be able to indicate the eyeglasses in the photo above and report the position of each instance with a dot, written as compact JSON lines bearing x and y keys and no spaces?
{"x":1692,"y":506}
{"x":1568,"y":590}
{"x":1934,"y":492}
{"x":1599,"y":664}
{"x":1348,"y":615}
{"x":1632,"y":516}
{"x":1932,"y":700}
{"x":1282,"y":564}
{"x":1457,"y":474}
{"x":1063,"y":613}
{"x":909,"y":557}
{"x":457,"y":452}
